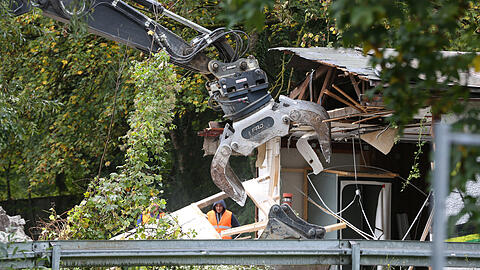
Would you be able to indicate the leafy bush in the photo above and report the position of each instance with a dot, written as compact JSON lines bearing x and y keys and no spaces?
{"x":112,"y":204}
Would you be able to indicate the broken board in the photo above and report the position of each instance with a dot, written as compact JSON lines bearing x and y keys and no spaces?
{"x":190,"y":218}
{"x":382,"y":140}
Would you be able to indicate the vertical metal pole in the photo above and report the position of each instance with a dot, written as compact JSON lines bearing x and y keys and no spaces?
{"x":355,"y":256}
{"x":440,"y":186}
{"x":56,"y":257}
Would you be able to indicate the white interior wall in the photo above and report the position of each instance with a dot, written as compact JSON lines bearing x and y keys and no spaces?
{"x":326,"y":185}
{"x":292,"y":182}
{"x":290,"y":158}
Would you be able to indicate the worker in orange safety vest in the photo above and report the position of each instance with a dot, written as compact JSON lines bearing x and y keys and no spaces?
{"x":221,"y":218}
{"x":153,"y":211}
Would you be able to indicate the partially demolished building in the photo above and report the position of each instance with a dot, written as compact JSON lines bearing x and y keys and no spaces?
{"x":365,"y":184}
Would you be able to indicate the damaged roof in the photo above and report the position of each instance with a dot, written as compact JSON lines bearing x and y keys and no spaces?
{"x":354,"y":61}
{"x":350,"y":60}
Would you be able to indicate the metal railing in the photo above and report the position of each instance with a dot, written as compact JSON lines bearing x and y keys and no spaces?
{"x":56,"y":254}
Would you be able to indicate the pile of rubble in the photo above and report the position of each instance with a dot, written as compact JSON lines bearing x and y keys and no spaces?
{"x":11,"y":228}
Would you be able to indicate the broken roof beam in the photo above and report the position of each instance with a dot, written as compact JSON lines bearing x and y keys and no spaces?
{"x":355,"y":85}
{"x":329,"y":93}
{"x":210,"y":200}
{"x":327,"y":80}
{"x":382,"y":114}
{"x":358,"y":105}
{"x":299,"y":91}
{"x":253,"y":227}
{"x":356,"y":115}
{"x":335,"y":227}
{"x":339,"y":112}
{"x":363,"y":174}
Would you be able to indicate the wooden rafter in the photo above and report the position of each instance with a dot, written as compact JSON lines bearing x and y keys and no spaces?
{"x":358,"y":105}
{"x":327,"y":92}
{"x":355,"y":85}
{"x":335,"y":227}
{"x":356,"y":115}
{"x":253,"y":227}
{"x":363,"y":86}
{"x":325,"y":84}
{"x":372,"y":117}
{"x":210,"y":200}
{"x":362,"y":174}
{"x":299,"y":91}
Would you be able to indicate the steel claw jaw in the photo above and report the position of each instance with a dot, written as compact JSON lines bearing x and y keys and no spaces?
{"x":223,"y":175}
{"x":272,"y":120}
{"x":310,"y":114}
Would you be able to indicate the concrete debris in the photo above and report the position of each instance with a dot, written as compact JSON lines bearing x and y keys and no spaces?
{"x":11,"y":228}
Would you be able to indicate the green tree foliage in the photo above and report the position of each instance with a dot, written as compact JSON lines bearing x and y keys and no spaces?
{"x":288,"y":24}
{"x":250,"y":13}
{"x":417,"y":74}
{"x":464,"y":166}
{"x":112,"y":204}
{"x":57,"y":92}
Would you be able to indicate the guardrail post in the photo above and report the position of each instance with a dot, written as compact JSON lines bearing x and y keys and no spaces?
{"x":440,"y":187}
{"x":56,"y":257}
{"x":355,"y":255}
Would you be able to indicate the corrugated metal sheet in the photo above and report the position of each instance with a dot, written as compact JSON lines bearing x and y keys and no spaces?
{"x":353,"y":61}
{"x":350,"y":60}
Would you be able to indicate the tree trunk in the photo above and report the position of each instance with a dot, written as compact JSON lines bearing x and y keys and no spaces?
{"x":9,"y":191}
{"x":178,"y":152}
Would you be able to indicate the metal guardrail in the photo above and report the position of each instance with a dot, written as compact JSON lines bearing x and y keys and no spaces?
{"x":56,"y":254}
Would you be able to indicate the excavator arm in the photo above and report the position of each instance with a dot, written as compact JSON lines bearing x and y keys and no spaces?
{"x":116,"y":20}
{"x":236,"y":85}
